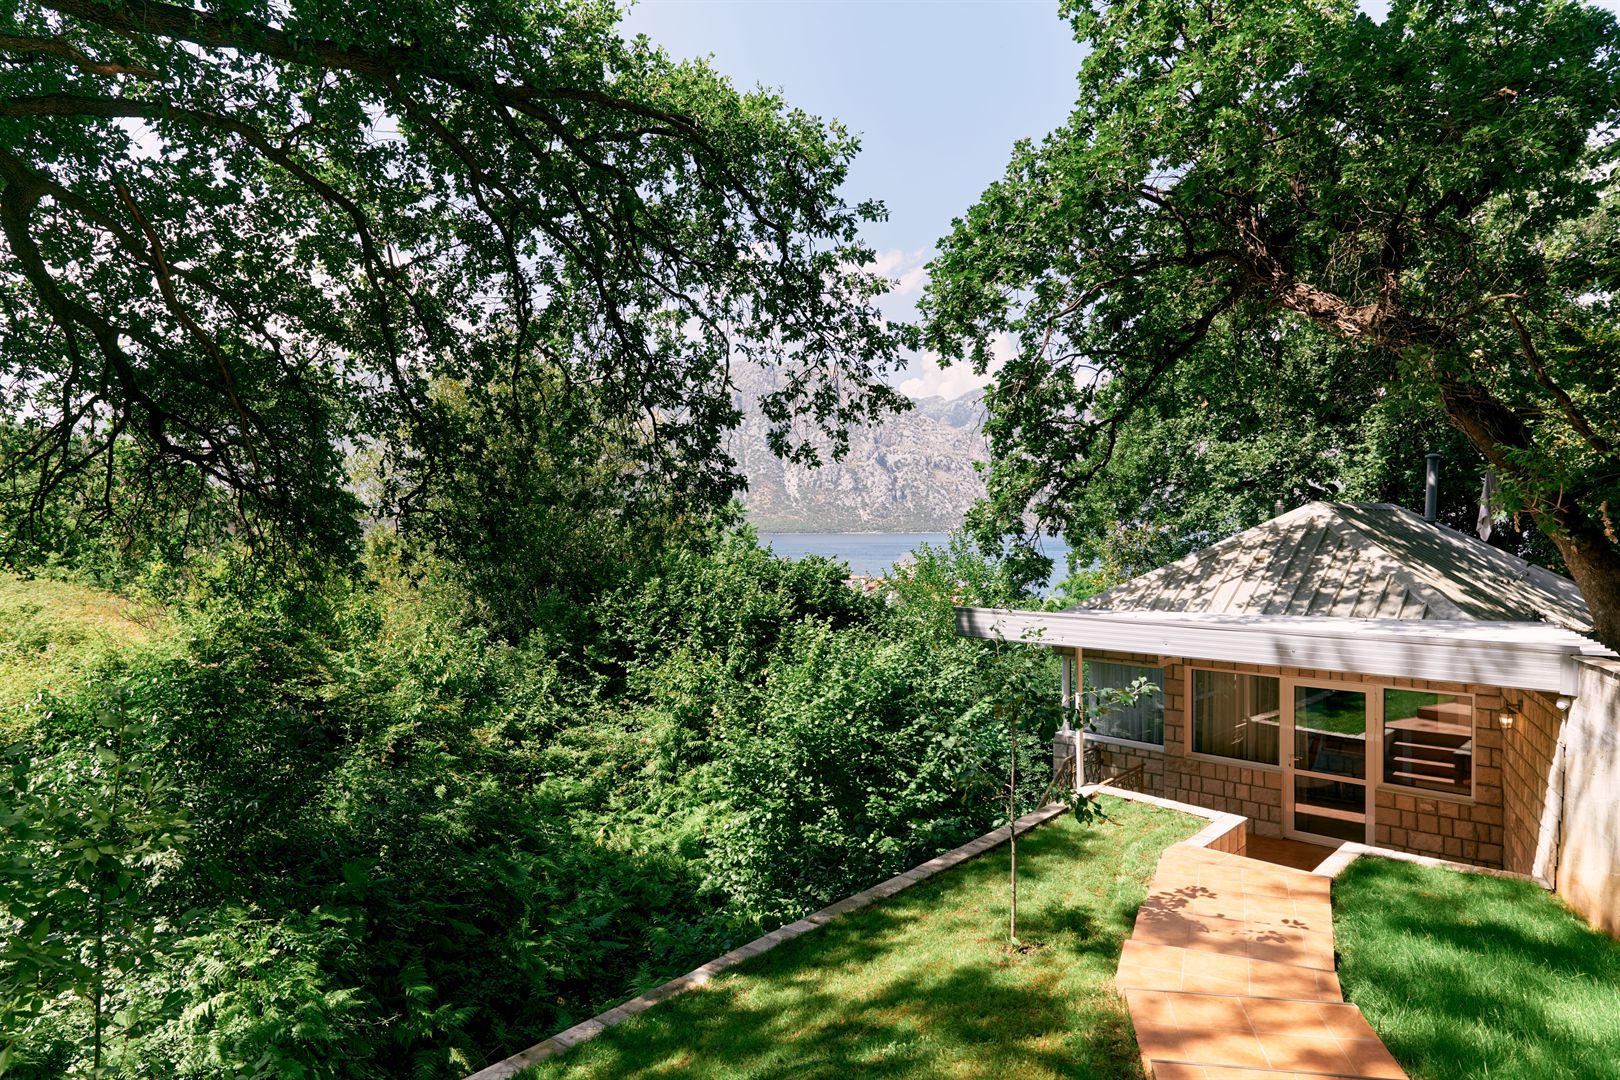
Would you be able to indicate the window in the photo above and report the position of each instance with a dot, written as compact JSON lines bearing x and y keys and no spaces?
{"x":1330,"y":731}
{"x":1429,"y":741}
{"x":1235,"y":716}
{"x":1141,"y":720}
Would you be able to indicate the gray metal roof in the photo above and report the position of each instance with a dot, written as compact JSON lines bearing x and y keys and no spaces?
{"x":1353,"y":560}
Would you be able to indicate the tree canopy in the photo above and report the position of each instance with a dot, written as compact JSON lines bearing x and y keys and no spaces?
{"x":250,"y":237}
{"x":1245,"y":184}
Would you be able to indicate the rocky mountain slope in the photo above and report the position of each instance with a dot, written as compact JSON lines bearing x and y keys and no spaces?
{"x":912,"y":473}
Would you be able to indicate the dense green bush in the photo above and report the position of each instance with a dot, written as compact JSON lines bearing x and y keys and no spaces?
{"x":412,"y":845}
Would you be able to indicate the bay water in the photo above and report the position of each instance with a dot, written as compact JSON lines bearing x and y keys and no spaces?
{"x":875,"y":554}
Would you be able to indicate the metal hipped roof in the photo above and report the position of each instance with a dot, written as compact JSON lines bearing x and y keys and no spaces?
{"x":1522,"y":655}
{"x":1353,"y":560}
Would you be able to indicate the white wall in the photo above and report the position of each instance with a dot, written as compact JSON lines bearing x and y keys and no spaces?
{"x":1588,"y":867}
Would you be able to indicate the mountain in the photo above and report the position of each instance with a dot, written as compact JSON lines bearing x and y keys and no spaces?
{"x":911,"y":473}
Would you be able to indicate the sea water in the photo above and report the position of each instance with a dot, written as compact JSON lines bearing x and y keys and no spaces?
{"x":875,"y":554}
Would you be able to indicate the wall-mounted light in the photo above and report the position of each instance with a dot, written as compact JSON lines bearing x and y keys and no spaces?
{"x":1510,"y":712}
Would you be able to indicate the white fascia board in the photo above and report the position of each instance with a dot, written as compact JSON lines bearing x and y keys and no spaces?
{"x":1528,"y":656}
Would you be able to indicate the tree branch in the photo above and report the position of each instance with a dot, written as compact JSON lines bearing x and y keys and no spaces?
{"x":1576,"y":420}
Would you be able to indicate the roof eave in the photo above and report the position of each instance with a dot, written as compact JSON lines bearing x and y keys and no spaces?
{"x":1527,"y":656}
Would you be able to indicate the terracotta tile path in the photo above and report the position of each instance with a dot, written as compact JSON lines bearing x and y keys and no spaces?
{"x":1229,"y":976}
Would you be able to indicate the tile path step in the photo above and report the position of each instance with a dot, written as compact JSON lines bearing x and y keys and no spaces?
{"x":1145,"y":966}
{"x":1217,"y":870}
{"x":1258,"y":1033}
{"x":1229,"y":975}
{"x":1181,"y":1070}
{"x":1214,"y":902}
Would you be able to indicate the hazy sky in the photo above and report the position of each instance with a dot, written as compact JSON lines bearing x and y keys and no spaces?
{"x":938,"y":90}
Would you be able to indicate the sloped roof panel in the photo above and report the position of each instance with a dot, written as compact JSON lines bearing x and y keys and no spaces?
{"x":1353,"y":560}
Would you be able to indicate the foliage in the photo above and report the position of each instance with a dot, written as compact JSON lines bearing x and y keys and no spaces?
{"x":415,"y":843}
{"x":538,"y":516}
{"x":1295,"y":213}
{"x":86,"y":839}
{"x":863,"y":761}
{"x":479,"y":192}
{"x":1221,"y":444}
{"x":55,"y":632}
{"x":111,"y":523}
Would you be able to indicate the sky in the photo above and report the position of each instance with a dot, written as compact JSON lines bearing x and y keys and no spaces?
{"x":938,"y":90}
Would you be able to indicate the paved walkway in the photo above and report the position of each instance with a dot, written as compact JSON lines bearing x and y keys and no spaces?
{"x":1295,"y":853}
{"x":1229,"y":975}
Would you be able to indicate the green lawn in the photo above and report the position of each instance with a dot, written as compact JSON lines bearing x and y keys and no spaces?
{"x":922,"y":985}
{"x":1465,"y":975}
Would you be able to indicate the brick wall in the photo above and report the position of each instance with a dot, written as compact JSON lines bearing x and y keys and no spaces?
{"x":1525,"y":772}
{"x":1407,"y":819}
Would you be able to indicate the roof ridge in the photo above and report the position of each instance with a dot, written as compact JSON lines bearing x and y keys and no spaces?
{"x":1193,"y":558}
{"x":1367,"y":558}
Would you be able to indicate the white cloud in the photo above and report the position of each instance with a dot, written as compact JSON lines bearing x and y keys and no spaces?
{"x":908,"y":269}
{"x":946,"y":382}
{"x":954,"y":380}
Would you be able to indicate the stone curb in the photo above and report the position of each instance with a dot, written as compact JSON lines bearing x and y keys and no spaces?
{"x":589,"y":1029}
{"x":1350,"y":851}
{"x":1223,"y":825}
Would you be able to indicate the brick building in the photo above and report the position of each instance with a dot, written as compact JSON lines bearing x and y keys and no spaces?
{"x":1343,"y":672}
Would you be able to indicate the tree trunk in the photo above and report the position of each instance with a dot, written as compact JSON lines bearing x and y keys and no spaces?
{"x":1594,"y":564}
{"x":1012,"y":826}
{"x":1592,"y":557}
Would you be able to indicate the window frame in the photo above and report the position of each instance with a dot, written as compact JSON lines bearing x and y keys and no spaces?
{"x":1084,"y":687}
{"x":1395,"y":787}
{"x":1374,"y":688}
{"x":1190,"y":675}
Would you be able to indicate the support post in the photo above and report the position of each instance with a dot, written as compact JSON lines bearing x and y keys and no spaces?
{"x":1078,"y":686}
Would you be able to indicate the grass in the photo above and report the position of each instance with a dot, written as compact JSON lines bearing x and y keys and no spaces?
{"x":1468,"y":976}
{"x":51,"y":633}
{"x":923,"y":984}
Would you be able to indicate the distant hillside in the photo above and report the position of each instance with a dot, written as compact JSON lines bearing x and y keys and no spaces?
{"x":912,"y":473}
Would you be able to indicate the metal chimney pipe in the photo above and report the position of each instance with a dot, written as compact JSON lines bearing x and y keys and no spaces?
{"x":1431,"y":488}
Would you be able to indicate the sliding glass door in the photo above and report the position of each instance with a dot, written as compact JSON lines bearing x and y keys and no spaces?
{"x":1326,"y":785}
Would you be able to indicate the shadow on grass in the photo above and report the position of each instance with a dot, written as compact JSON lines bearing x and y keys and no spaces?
{"x":898,"y":1032}
{"x":922,"y":984}
{"x":1470,"y":976}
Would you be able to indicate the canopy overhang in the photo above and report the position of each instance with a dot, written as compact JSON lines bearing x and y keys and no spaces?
{"x":1519,"y":655}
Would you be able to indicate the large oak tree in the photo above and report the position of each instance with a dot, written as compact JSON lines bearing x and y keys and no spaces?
{"x":1434,"y":191}
{"x":252,"y":236}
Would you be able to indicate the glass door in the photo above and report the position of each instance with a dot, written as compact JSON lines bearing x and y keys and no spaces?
{"x":1325,"y":784}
